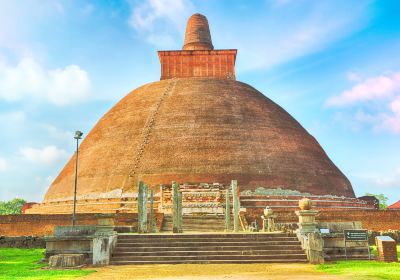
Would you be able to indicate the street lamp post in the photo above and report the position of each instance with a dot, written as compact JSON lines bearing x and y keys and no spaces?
{"x":78,"y":135}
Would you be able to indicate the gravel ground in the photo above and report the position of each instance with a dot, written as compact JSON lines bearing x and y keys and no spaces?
{"x":212,"y":271}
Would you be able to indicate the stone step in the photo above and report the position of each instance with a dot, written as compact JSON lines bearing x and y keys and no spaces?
{"x":199,"y":228}
{"x":209,"y":239}
{"x":192,"y":217}
{"x":217,"y":256}
{"x":204,"y":225}
{"x":193,"y":221}
{"x":221,"y":237}
{"x":128,"y":249}
{"x":201,"y":244}
{"x":191,"y":236}
{"x":207,"y":248}
{"x":141,"y":262}
{"x":242,"y":252}
{"x":223,"y":234}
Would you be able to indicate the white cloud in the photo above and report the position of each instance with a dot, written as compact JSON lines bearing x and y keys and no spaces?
{"x":88,"y":9}
{"x":47,"y":155}
{"x":391,"y":122}
{"x":3,"y":164}
{"x":57,"y":133}
{"x":159,"y":21}
{"x":20,"y":18}
{"x":353,"y":76}
{"x":46,"y":181}
{"x":28,"y":79}
{"x":16,"y":117}
{"x":369,"y":89}
{"x":145,"y":15}
{"x":385,"y":182}
{"x":282,"y":33}
{"x":284,"y":30}
{"x":381,"y":94}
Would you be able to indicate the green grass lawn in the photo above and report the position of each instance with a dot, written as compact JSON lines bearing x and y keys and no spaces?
{"x":368,"y":270}
{"x":23,"y":264}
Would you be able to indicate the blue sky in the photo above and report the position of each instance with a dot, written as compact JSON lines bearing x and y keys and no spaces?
{"x":334,"y":65}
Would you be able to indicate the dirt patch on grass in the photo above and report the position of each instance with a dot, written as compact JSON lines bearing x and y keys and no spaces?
{"x":213,"y":271}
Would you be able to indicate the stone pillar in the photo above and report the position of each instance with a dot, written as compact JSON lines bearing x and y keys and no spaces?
{"x":152,"y":216}
{"x":161,"y":202}
{"x":236,"y":206}
{"x":227,"y":211}
{"x":140,"y":206}
{"x":180,"y":214}
{"x":144,"y":207}
{"x":268,"y":220}
{"x":175,"y":208}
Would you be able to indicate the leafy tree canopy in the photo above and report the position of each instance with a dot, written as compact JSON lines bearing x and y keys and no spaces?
{"x":382,"y":199}
{"x":13,"y":206}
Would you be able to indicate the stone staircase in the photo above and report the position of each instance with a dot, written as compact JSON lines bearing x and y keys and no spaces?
{"x":207,"y":248}
{"x":210,"y":223}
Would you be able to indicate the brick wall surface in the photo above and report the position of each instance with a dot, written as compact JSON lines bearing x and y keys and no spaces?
{"x":184,"y":64}
{"x":42,"y":225}
{"x":22,"y":242}
{"x":377,"y":220}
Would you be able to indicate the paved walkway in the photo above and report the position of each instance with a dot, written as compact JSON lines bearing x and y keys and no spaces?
{"x":212,"y":271}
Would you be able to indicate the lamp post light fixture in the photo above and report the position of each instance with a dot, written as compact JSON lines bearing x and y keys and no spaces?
{"x":78,"y":135}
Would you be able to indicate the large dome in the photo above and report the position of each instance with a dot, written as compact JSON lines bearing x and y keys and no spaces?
{"x":198,"y":130}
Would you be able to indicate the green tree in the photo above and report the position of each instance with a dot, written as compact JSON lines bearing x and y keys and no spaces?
{"x":382,"y":199}
{"x":13,"y":206}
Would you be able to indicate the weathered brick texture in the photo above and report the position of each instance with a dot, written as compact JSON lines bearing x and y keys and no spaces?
{"x":206,"y":130}
{"x":204,"y":63}
{"x":376,"y":220}
{"x":387,"y":250}
{"x":197,"y":36}
{"x":41,"y":225}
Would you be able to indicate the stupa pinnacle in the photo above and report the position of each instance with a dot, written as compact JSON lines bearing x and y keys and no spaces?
{"x":198,"y":57}
{"x":197,"y":36}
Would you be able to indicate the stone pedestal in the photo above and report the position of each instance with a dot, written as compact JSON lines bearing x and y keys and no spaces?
{"x":95,"y":243}
{"x":105,"y":219}
{"x":307,"y":223}
{"x":386,"y":248}
{"x":67,"y":260}
{"x":309,"y":236}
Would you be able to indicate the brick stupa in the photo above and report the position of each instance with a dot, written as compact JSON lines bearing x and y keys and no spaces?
{"x":197,"y":124}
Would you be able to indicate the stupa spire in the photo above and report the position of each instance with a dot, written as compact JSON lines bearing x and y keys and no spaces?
{"x":197,"y":36}
{"x":198,"y":57}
